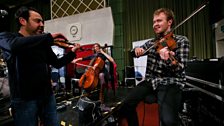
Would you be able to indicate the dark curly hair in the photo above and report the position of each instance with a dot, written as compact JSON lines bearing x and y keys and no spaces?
{"x":24,"y":13}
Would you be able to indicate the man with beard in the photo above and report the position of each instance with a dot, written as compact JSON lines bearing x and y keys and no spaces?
{"x":28,"y":54}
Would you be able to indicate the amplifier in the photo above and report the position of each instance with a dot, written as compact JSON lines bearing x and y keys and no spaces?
{"x":76,"y":90}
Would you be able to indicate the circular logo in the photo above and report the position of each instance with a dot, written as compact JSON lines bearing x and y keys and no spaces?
{"x":73,"y":30}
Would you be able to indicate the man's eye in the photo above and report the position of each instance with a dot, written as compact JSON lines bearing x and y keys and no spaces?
{"x":38,"y":21}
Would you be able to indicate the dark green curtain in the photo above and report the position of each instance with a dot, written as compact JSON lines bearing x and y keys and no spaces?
{"x":138,"y":15}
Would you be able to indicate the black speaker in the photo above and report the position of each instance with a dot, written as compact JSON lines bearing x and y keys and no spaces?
{"x":129,"y":78}
{"x":129,"y":71}
{"x":76,"y":90}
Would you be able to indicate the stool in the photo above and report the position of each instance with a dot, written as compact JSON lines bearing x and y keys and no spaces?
{"x":147,"y":110}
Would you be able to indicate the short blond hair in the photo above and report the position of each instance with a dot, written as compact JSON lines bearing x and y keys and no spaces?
{"x":169,"y":14}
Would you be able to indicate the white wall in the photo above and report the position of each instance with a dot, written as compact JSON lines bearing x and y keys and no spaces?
{"x":93,"y":26}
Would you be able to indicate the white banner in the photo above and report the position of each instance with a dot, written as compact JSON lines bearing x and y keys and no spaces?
{"x":139,"y":63}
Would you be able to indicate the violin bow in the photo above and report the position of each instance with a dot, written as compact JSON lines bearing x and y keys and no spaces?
{"x":192,"y":14}
{"x":80,"y":64}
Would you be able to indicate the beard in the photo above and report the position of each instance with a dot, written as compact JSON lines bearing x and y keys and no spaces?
{"x":40,"y":30}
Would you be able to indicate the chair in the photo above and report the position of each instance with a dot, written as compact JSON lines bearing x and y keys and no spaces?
{"x":148,"y":114}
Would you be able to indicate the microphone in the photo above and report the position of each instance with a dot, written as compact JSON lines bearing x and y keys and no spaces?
{"x":3,"y":12}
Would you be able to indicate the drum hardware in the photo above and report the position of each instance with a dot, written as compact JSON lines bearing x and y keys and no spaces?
{"x":4,"y":87}
{"x":10,"y":111}
{"x":2,"y":63}
{"x":3,"y":72}
{"x":3,"y":68}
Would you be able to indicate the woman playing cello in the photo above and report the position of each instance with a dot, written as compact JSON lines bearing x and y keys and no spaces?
{"x":103,"y":73}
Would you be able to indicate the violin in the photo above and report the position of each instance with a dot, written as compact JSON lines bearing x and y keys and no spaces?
{"x":90,"y":78}
{"x":167,"y":41}
{"x":66,"y":44}
{"x":63,"y":44}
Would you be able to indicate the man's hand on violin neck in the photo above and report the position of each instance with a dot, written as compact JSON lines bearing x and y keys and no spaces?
{"x":58,"y":37}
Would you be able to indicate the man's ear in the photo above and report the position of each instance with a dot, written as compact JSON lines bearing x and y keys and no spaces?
{"x":22,"y":21}
{"x":170,"y":22}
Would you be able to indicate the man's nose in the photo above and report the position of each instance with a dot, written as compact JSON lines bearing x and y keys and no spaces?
{"x":41,"y":23}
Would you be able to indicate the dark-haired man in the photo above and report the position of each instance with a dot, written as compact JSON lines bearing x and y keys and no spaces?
{"x":28,"y":54}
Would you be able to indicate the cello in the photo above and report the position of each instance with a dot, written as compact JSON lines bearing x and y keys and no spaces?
{"x":90,"y":78}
